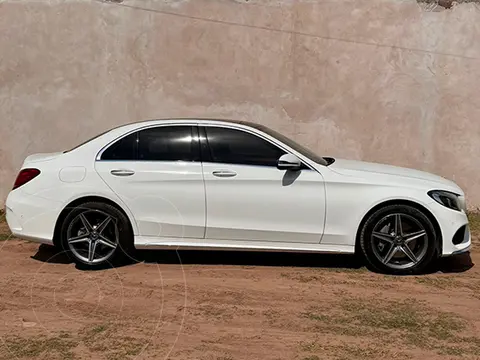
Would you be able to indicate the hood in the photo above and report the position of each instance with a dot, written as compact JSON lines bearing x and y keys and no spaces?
{"x":356,"y":168}
{"x":42,"y":157}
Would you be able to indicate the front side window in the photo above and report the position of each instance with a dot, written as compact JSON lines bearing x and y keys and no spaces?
{"x":163,"y":143}
{"x":233,"y":146}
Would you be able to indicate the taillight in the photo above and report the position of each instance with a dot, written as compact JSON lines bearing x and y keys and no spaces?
{"x":24,"y":176}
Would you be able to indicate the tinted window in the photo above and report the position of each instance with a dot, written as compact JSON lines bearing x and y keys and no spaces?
{"x":164,"y":143}
{"x":238,"y":147}
{"x":167,"y":144}
{"x":123,"y":149}
{"x":294,"y":145}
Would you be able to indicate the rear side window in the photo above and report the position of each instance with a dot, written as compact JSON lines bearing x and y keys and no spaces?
{"x":164,"y":143}
{"x":167,"y":144}
{"x":123,"y":149}
{"x":233,"y":146}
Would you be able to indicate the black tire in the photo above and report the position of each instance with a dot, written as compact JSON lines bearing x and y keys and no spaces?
{"x":378,"y":249}
{"x":118,"y":229}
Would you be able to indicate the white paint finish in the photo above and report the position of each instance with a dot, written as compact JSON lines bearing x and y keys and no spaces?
{"x":13,"y":221}
{"x":72,"y":174}
{"x":42,"y":157}
{"x":166,"y":198}
{"x":262,"y":203}
{"x":252,"y":210}
{"x":353,"y":168}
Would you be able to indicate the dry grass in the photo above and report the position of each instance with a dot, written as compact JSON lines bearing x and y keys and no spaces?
{"x":4,"y":230}
{"x":474,"y":219}
{"x":410,"y":322}
{"x":100,"y":339}
{"x":367,"y":316}
{"x":56,"y":347}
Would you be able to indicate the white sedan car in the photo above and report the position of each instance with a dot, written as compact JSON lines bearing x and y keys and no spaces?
{"x":212,"y":184}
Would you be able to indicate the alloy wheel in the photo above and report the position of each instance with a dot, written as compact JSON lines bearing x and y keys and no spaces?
{"x":399,"y":241}
{"x":92,"y":236}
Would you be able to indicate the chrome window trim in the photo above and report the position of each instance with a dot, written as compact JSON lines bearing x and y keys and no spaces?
{"x":105,"y":147}
{"x":212,"y":123}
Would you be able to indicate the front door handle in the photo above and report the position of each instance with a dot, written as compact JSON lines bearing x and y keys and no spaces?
{"x":122,"y":172}
{"x":224,"y":173}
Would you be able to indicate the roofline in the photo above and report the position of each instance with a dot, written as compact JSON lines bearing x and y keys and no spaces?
{"x":231,"y":121}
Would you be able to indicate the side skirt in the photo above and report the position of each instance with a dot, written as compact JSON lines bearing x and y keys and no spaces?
{"x":147,"y":242}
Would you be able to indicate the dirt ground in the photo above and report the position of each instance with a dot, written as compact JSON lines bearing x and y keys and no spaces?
{"x":229,"y":306}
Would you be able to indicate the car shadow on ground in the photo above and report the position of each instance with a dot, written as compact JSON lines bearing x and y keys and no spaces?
{"x":50,"y":254}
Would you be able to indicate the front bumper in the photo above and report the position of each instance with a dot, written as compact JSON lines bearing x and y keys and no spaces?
{"x":456,"y":237}
{"x":462,"y":241}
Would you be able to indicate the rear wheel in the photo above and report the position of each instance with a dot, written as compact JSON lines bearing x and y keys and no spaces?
{"x":96,"y":235}
{"x":399,"y":239}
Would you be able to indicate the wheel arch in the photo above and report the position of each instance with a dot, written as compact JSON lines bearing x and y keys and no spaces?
{"x":82,"y":200}
{"x":414,"y":204}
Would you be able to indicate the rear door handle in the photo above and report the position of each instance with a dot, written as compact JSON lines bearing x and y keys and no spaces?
{"x":224,"y":173}
{"x":122,"y":172}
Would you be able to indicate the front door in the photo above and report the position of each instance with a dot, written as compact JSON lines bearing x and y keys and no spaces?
{"x":248,"y":198}
{"x":157,"y":173}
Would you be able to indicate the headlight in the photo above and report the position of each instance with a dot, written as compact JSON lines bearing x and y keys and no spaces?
{"x":446,"y":198}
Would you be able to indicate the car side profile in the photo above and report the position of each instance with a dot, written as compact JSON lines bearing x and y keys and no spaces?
{"x":216,"y":184}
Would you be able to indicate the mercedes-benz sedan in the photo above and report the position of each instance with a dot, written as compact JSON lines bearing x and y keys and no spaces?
{"x":212,"y":184}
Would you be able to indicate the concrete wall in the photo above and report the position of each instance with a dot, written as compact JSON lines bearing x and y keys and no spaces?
{"x":379,"y":80}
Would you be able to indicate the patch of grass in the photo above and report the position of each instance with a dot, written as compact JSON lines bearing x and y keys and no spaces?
{"x":443,"y":326}
{"x":124,"y":346}
{"x":310,"y":346}
{"x":398,"y":315}
{"x":317,"y":317}
{"x":346,"y":351}
{"x":98,"y":329}
{"x":4,"y":237}
{"x":45,"y":347}
{"x":301,"y":277}
{"x":312,"y":357}
{"x":438,"y":282}
{"x":5,"y":233}
{"x":410,"y":320}
{"x":103,"y":339}
{"x":452,"y":351}
{"x":216,"y":312}
{"x":347,"y":270}
{"x":474,"y":220}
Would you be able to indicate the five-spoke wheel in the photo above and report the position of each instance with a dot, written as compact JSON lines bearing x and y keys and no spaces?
{"x":94,"y":234}
{"x":398,"y":239}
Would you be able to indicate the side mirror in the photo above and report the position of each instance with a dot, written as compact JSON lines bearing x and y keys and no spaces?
{"x":289,"y":162}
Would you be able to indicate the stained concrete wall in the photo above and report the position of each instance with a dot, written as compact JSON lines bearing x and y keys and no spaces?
{"x":379,"y":80}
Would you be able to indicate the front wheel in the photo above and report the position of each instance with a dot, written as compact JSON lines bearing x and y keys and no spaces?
{"x":96,"y":235}
{"x":398,"y":239}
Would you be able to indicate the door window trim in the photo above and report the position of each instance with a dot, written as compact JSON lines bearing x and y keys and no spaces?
{"x":195,"y":139}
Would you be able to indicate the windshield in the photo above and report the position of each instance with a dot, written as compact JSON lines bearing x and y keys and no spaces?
{"x":293,"y":144}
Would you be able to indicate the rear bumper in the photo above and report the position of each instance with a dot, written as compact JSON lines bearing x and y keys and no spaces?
{"x":31,"y":217}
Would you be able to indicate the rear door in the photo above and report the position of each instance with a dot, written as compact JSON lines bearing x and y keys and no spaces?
{"x":157,"y":173}
{"x":249,"y":198}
